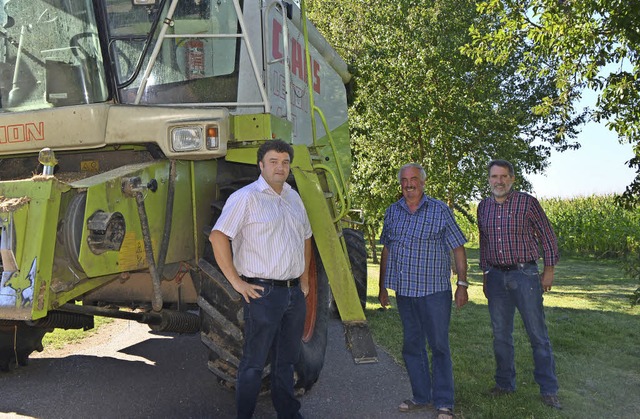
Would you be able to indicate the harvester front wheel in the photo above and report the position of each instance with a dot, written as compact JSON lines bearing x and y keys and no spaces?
{"x":314,"y":338}
{"x":222,"y":326}
{"x":17,"y":342}
{"x":357,"y":252}
{"x":357,"y":249}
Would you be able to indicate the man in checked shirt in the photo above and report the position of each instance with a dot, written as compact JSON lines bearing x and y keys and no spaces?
{"x":418,"y":235}
{"x":513,"y":229}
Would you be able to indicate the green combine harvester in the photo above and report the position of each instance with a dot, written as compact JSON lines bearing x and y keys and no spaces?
{"x":124,"y":127}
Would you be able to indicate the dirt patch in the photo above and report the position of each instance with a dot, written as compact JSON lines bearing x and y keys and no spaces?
{"x":107,"y":338}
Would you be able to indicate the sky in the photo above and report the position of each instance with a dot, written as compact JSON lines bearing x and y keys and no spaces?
{"x":597,"y":168}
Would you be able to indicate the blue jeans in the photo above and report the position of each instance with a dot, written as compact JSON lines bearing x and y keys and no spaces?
{"x":427,"y":318}
{"x":273,"y":325}
{"x":521,"y":289}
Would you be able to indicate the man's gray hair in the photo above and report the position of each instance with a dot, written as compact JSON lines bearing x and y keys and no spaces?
{"x":501,"y":163}
{"x":423,"y":174}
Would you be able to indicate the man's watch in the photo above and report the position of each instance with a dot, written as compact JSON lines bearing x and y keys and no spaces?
{"x":462,"y":283}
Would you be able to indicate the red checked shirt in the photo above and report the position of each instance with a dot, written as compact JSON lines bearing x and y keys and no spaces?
{"x":514,"y":231}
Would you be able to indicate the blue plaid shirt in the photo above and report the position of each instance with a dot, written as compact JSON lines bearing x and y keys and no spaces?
{"x":419,"y":246}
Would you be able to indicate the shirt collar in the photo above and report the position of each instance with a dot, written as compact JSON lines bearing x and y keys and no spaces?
{"x":506,"y":199}
{"x":263,"y":186}
{"x":403,"y":203}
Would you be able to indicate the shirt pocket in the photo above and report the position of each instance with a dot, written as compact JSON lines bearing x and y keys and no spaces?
{"x":426,"y":232}
{"x":263,"y":215}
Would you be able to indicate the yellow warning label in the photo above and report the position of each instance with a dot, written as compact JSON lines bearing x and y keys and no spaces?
{"x":131,"y":255}
{"x":90,"y":166}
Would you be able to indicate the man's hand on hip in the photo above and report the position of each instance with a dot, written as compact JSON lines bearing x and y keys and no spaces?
{"x":247,"y":290}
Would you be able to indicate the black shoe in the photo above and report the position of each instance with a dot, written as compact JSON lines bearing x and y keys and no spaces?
{"x":499,"y":391}
{"x":551,"y":400}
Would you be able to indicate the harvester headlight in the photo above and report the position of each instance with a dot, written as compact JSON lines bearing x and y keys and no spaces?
{"x":187,"y":138}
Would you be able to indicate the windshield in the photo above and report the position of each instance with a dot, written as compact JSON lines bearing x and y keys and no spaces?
{"x":196,"y":60}
{"x":49,"y":54}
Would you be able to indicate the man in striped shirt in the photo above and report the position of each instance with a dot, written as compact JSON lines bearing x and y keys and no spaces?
{"x":513,"y":229}
{"x":271,"y":237}
{"x":418,"y":235}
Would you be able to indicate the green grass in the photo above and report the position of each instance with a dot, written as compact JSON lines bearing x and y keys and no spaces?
{"x":61,"y":337}
{"x":593,"y":330}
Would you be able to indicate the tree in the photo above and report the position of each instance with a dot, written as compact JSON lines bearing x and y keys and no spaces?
{"x":591,"y":44}
{"x":418,"y":98}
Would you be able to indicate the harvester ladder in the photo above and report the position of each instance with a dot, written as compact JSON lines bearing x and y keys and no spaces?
{"x":341,"y":185}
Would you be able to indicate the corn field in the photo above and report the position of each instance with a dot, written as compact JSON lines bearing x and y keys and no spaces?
{"x":594,"y":226}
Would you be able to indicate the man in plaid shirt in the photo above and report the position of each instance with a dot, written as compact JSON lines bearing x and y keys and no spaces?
{"x":513,"y":229}
{"x":418,"y":235}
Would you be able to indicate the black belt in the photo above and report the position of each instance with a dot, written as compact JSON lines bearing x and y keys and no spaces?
{"x":276,"y":282}
{"x":513,"y":267}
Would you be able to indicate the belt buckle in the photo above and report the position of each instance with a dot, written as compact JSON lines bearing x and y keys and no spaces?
{"x":293,"y":282}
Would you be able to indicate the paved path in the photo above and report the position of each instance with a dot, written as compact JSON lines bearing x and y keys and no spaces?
{"x":138,"y":374}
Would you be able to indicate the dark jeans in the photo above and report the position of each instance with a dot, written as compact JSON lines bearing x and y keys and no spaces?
{"x":521,"y":289}
{"x":427,"y":318}
{"x":273,"y":325}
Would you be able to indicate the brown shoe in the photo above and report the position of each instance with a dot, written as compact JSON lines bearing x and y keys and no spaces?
{"x":551,"y":400}
{"x":499,"y":391}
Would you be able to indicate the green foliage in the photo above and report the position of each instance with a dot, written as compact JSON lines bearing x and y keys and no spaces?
{"x":467,"y":222}
{"x":592,"y":43}
{"x":418,"y":99}
{"x":592,"y":328}
{"x":632,"y":266}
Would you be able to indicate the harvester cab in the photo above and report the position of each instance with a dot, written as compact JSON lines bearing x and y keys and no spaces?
{"x":124,"y":127}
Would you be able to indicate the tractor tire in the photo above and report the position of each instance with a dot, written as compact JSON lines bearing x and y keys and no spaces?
{"x":222,"y":329}
{"x":357,"y":251}
{"x":17,"y":342}
{"x":314,"y":338}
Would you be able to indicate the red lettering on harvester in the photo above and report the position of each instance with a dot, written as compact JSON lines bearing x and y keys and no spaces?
{"x":297,"y":56}
{"x":20,"y":133}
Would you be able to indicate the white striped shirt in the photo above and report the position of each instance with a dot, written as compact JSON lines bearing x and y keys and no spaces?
{"x":267,"y":231}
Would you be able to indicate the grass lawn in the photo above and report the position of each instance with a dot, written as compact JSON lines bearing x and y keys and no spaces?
{"x":594,"y":331}
{"x":61,"y":337}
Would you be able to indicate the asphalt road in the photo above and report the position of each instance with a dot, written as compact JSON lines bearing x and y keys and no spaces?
{"x":138,"y":374}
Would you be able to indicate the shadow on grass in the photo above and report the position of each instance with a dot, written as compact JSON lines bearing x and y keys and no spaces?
{"x":595,"y":346}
